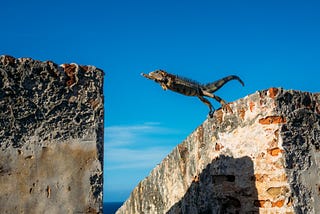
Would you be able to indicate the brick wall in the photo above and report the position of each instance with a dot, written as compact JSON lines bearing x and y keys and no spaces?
{"x":263,"y":157}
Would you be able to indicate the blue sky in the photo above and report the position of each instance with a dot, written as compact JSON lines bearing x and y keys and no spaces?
{"x":266,"y":43}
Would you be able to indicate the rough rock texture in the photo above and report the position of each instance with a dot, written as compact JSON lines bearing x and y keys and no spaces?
{"x":51,"y":137}
{"x":263,"y":157}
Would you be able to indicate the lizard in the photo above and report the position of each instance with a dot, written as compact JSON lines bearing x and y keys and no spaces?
{"x":189,"y":87}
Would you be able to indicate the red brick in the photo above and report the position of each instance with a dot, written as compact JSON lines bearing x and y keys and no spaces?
{"x":279,"y":203}
{"x":273,"y":92}
{"x":251,"y":105}
{"x":272,"y":120}
{"x":218,"y":147}
{"x":242,"y":113}
{"x":274,"y":151}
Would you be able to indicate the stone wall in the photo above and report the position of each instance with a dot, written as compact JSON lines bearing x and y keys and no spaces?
{"x":261,"y":158}
{"x":51,"y":137}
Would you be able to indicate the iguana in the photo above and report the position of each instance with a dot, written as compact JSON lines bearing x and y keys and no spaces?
{"x":191,"y":88}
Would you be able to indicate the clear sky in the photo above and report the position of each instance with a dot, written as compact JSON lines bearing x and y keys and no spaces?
{"x":267,"y":43}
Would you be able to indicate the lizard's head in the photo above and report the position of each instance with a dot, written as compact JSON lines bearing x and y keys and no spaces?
{"x":157,"y":75}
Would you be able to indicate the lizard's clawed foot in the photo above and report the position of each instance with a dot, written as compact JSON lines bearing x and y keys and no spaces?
{"x":227,"y":108}
{"x":211,"y":112}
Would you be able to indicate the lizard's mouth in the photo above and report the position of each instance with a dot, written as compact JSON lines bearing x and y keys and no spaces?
{"x":144,"y":75}
{"x":152,"y":75}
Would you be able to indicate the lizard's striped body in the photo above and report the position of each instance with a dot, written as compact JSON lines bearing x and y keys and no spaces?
{"x":191,"y":88}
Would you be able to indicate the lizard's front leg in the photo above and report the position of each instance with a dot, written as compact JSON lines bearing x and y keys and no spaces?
{"x":166,"y":82}
{"x":163,"y":86}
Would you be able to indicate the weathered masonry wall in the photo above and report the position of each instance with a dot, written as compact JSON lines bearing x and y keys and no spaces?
{"x":51,"y":137}
{"x":263,"y":157}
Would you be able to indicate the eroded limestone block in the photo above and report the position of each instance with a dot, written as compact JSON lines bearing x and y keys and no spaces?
{"x":51,"y":137}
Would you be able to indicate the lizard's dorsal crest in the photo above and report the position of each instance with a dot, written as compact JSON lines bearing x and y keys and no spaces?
{"x":177,"y":77}
{"x":191,"y":81}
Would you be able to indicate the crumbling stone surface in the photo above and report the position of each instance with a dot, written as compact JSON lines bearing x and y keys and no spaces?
{"x":263,"y":157}
{"x":301,"y":143}
{"x":51,"y":137}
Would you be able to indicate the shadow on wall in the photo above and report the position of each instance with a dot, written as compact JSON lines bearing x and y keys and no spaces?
{"x":226,"y":185}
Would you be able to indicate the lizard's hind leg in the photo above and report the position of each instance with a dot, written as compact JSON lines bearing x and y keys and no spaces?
{"x":219,"y":99}
{"x":207,"y":102}
{"x":223,"y":103}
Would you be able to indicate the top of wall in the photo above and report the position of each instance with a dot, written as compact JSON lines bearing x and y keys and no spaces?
{"x":42,"y":101}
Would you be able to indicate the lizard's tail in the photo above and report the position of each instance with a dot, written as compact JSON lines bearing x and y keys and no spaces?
{"x":212,"y":87}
